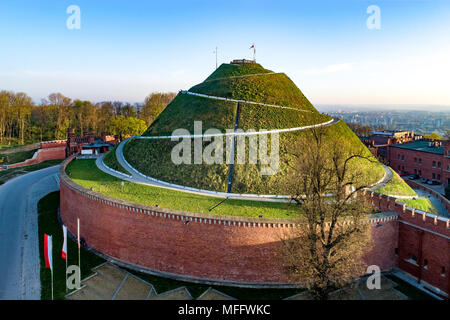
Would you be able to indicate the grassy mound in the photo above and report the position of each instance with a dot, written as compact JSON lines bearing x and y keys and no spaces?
{"x":86,"y":174}
{"x":247,"y":82}
{"x":185,"y":109}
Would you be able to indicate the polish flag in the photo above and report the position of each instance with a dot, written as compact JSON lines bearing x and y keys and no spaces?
{"x":64,"y":248}
{"x":48,"y":251}
{"x":78,"y":232}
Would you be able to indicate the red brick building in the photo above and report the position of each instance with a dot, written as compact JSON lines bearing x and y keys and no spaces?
{"x":427,"y":159}
{"x":89,"y":143}
{"x":378,"y":141}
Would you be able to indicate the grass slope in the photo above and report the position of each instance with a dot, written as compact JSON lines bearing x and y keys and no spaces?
{"x":185,"y":109}
{"x":153,"y":158}
{"x":396,"y":187}
{"x":275,"y":89}
{"x":6,"y":175}
{"x":16,"y":157}
{"x":86,"y":174}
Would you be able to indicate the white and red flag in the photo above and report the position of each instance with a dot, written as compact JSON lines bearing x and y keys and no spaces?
{"x":252,"y":47}
{"x":64,"y":248}
{"x":78,"y":232}
{"x":48,"y":251}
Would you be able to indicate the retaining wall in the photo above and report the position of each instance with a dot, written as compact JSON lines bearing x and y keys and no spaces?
{"x":42,"y":155}
{"x":183,"y":245}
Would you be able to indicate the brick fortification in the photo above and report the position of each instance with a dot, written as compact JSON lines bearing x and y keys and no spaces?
{"x":49,"y":150}
{"x":237,"y":250}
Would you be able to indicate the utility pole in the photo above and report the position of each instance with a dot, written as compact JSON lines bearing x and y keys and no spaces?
{"x":216,"y":56}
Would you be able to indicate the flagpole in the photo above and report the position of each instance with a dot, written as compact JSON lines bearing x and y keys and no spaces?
{"x":51,"y":271}
{"x":66,"y":271}
{"x":79,"y":253}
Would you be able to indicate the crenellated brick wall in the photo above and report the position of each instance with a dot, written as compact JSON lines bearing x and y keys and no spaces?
{"x":223,"y":249}
{"x":421,"y":235}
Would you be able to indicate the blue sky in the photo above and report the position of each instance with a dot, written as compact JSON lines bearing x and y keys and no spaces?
{"x":127,"y":49}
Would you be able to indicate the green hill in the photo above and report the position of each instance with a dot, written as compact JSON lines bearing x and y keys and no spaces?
{"x":249,"y":82}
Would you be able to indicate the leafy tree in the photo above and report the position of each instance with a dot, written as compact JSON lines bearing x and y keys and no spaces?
{"x":433,"y":136}
{"x":154,"y":104}
{"x":326,"y":252}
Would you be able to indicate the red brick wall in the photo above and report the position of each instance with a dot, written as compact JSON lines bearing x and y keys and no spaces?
{"x":53,"y":144}
{"x":434,"y":246}
{"x":215,"y":248}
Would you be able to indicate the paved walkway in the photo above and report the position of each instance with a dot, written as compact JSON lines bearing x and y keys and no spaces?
{"x":440,"y":208}
{"x":19,"y":246}
{"x":110,"y":282}
{"x":387,"y":291}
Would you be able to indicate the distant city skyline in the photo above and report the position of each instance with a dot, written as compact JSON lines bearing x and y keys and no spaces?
{"x":126,"y":50}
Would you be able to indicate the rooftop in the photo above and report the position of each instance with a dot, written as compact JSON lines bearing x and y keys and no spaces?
{"x":420,"y":145}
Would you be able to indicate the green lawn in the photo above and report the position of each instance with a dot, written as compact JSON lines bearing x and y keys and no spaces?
{"x":16,"y":157}
{"x":110,"y":160}
{"x":396,"y":187}
{"x":86,"y":173}
{"x":48,"y":223}
{"x":6,"y":175}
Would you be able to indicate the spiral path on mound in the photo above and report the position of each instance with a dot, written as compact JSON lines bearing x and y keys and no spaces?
{"x":238,"y":133}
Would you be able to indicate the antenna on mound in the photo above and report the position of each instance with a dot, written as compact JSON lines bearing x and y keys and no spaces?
{"x":254,"y":52}
{"x":215,"y":51}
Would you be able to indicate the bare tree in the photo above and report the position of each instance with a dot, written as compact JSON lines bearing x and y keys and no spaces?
{"x":326,"y":252}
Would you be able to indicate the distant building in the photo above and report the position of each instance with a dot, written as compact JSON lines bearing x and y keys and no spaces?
{"x":89,"y":144}
{"x":378,"y":141}
{"x":427,"y":159}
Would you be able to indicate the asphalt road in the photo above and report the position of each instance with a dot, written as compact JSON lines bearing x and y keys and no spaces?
{"x":19,"y":247}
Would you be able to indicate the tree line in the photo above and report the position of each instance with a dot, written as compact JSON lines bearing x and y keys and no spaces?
{"x":22,"y":121}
